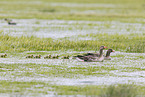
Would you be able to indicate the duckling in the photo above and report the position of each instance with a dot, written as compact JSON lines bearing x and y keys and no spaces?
{"x":4,"y":55}
{"x":66,"y":57}
{"x":55,"y":57}
{"x":38,"y":56}
{"x":30,"y":56}
{"x":47,"y":57}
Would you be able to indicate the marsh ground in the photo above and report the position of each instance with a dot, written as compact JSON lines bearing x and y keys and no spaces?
{"x":69,"y":28}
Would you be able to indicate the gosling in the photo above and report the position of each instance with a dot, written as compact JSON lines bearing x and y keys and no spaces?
{"x":47,"y":57}
{"x":4,"y":55}
{"x":30,"y":56}
{"x":55,"y":57}
{"x":65,"y":57}
{"x":37,"y":56}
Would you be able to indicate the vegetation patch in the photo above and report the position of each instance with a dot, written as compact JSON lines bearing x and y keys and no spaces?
{"x":24,"y":88}
{"x":117,"y":42}
{"x":119,"y":90}
{"x":78,"y":90}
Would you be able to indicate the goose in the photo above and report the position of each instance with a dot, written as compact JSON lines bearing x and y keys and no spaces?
{"x":30,"y":56}
{"x":92,"y":57}
{"x":6,"y":19}
{"x":94,"y":54}
{"x":4,"y":55}
{"x":11,"y":23}
{"x":107,"y":57}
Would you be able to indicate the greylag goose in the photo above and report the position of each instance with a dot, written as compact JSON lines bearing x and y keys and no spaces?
{"x":6,"y":19}
{"x":4,"y":55}
{"x":107,"y":57}
{"x":11,"y":23}
{"x":94,"y":54}
{"x":91,"y":57}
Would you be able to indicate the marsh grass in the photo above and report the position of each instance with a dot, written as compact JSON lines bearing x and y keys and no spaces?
{"x":67,"y":72}
{"x":117,"y":42}
{"x":133,"y":69}
{"x":78,"y":90}
{"x":63,"y":70}
{"x":125,"y":11}
{"x":24,"y":88}
{"x":121,"y":90}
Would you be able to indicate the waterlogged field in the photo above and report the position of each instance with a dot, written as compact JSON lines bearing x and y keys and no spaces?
{"x":43,"y":77}
{"x":69,"y":28}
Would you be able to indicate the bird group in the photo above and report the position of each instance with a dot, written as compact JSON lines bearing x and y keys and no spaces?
{"x":95,"y":57}
{"x":3,"y":55}
{"x":88,"y":57}
{"x":56,"y":57}
{"x":32,"y":56}
{"x":48,"y":57}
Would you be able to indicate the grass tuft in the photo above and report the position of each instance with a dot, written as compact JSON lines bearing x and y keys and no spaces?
{"x":128,"y":43}
{"x":120,"y":90}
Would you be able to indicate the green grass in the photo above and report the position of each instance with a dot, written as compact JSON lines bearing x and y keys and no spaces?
{"x":64,"y":70}
{"x":126,"y":43}
{"x":39,"y":88}
{"x":78,"y":90}
{"x":119,"y":90}
{"x":67,"y":72}
{"x":24,"y":88}
{"x":124,"y":10}
{"x":132,"y":69}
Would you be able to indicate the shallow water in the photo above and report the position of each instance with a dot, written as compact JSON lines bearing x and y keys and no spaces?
{"x":122,"y":74}
{"x":63,"y":28}
{"x":128,"y":66}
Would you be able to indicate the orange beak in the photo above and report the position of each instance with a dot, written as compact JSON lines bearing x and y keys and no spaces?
{"x":113,"y":51}
{"x":105,"y":47}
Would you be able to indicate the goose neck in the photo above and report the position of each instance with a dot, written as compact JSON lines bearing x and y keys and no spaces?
{"x":101,"y":52}
{"x":108,"y":53}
